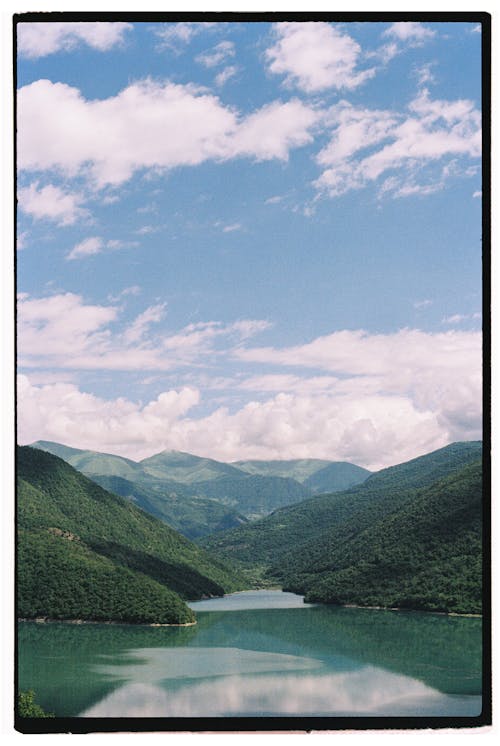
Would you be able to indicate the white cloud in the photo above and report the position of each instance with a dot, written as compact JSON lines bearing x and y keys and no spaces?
{"x":226,"y":74}
{"x":40,"y":39}
{"x":272,"y":131}
{"x":95,"y":245}
{"x":231,"y":228}
{"x":87,"y":247}
{"x":370,"y":399}
{"x":51,"y":203}
{"x":478,"y":193}
{"x":410,"y":31}
{"x":316,"y":56}
{"x":174,"y":36}
{"x":457,"y":318}
{"x":62,"y":331}
{"x":367,"y":144}
{"x":148,"y":125}
{"x":418,"y":304}
{"x":136,"y":331}
{"x":216,"y":56}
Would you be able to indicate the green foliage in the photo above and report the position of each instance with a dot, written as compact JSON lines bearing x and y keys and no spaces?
{"x":427,"y":555}
{"x":193,"y":517}
{"x":86,"y":553}
{"x":27,"y":707}
{"x":410,"y":536}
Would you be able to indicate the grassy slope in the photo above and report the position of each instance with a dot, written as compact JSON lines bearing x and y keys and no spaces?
{"x":67,"y":522}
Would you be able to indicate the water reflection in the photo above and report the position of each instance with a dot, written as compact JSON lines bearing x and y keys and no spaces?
{"x":320,"y":660}
{"x":366,"y":692}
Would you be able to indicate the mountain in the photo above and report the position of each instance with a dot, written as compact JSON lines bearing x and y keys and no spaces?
{"x":425,"y":555}
{"x":336,"y":477}
{"x":92,"y":463}
{"x":180,"y":505}
{"x":297,"y":543}
{"x":193,"y":517}
{"x":317,"y":475}
{"x":195,"y":495}
{"x":86,"y":553}
{"x":185,"y":468}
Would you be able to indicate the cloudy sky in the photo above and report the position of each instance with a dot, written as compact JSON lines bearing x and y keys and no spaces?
{"x":250,"y":240}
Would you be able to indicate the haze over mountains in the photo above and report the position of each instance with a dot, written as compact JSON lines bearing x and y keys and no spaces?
{"x":199,"y":496}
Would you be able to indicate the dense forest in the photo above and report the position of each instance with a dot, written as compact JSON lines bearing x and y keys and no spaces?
{"x":86,"y":553}
{"x":409,"y":536}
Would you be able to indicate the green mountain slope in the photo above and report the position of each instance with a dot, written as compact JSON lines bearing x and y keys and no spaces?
{"x":316,"y":474}
{"x":186,"y":468}
{"x":299,"y":469}
{"x":195,"y":495}
{"x":182,"y":506}
{"x":193,"y":517}
{"x":84,"y":552}
{"x":92,"y":463}
{"x":255,"y":495}
{"x":336,"y":477}
{"x":269,"y":540}
{"x":426,"y":555}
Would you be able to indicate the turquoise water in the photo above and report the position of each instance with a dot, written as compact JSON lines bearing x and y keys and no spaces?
{"x":258,"y":653}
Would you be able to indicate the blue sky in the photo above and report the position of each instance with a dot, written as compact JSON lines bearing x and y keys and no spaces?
{"x":250,"y":240}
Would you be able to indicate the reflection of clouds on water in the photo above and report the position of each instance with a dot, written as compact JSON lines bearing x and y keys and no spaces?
{"x":156,"y":664}
{"x":369,"y":691}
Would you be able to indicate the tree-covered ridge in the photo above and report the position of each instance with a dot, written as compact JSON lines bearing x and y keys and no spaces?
{"x":193,"y":517}
{"x":287,"y":529}
{"x":425,"y":555}
{"x":84,"y":551}
{"x":407,"y":542}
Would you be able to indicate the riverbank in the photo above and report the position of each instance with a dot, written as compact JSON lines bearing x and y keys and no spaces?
{"x":48,"y":620}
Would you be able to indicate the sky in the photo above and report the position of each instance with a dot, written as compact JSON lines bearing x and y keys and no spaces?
{"x":250,"y":240}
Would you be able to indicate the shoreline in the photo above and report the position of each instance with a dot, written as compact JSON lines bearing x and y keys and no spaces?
{"x":49,"y":620}
{"x":398,"y":608}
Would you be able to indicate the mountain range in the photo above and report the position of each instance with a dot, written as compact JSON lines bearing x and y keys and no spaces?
{"x":199,"y":496}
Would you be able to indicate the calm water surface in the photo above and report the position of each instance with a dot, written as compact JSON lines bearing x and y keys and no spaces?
{"x":258,"y":653}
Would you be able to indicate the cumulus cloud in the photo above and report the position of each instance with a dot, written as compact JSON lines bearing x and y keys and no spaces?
{"x":368,"y":144}
{"x":316,"y":56}
{"x":51,"y":203}
{"x":148,"y":125}
{"x":41,"y":39}
{"x":410,"y":31}
{"x":372,"y":399}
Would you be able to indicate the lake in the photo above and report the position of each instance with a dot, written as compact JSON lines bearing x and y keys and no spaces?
{"x":258,"y":653}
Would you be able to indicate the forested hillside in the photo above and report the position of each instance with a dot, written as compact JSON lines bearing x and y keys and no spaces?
{"x":426,"y":555}
{"x":333,"y":547}
{"x":86,"y":553}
